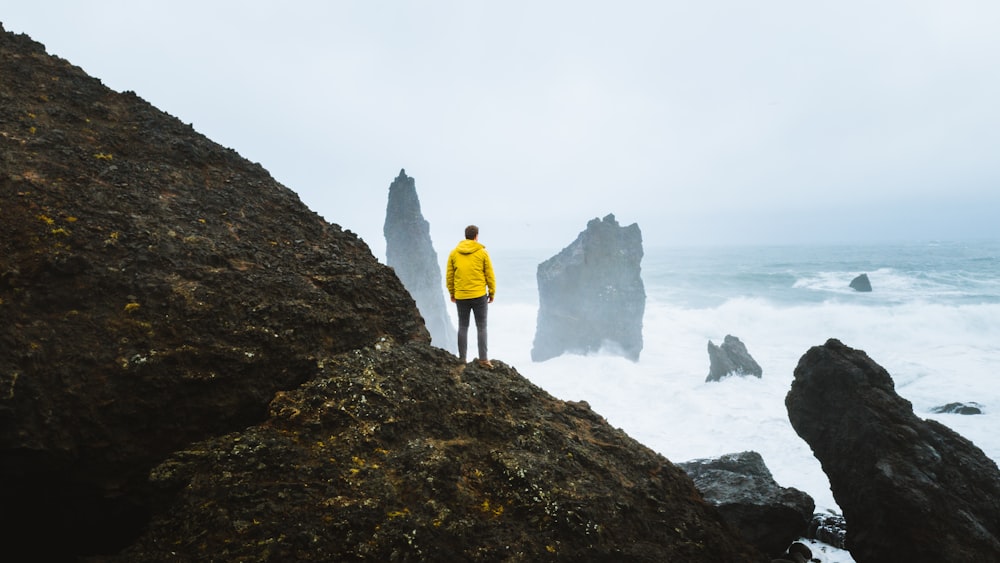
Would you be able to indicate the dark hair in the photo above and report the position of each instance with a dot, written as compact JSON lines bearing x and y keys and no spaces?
{"x":471,"y":232}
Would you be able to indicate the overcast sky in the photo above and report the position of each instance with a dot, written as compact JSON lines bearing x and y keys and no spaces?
{"x":721,"y":122}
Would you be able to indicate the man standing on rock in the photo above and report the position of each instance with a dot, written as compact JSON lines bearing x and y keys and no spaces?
{"x":471,"y":285}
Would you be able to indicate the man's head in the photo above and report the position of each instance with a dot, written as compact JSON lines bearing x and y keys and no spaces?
{"x":471,"y":232}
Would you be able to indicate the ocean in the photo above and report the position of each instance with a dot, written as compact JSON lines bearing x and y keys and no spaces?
{"x":932,"y":321}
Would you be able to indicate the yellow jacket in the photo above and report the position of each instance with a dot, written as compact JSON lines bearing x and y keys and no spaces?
{"x":469,"y":272}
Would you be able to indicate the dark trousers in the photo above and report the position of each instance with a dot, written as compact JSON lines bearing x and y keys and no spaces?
{"x":478,"y":307}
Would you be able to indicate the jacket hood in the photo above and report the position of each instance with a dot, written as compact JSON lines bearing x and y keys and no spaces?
{"x":469,"y":246}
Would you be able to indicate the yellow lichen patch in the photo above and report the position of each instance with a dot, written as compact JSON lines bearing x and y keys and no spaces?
{"x":103,"y":156}
{"x":398,"y":513}
{"x":129,"y":307}
{"x":46,"y":219}
{"x":71,"y":219}
{"x":496,"y":510}
{"x":60,"y":231}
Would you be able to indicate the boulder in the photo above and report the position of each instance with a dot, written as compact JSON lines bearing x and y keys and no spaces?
{"x":861,"y":283}
{"x":911,"y":489}
{"x":591,"y":296}
{"x":740,"y":485}
{"x":830,"y":529}
{"x":410,"y":252}
{"x":731,"y":358}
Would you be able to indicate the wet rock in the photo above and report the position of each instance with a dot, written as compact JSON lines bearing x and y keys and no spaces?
{"x":861,"y":283}
{"x":410,"y":252}
{"x":830,"y":529}
{"x":911,"y":489}
{"x":731,"y":358}
{"x":740,"y":485}
{"x":591,"y":296}
{"x":959,"y":408}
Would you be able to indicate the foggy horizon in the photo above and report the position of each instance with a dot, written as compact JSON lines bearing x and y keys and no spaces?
{"x":711,"y":124}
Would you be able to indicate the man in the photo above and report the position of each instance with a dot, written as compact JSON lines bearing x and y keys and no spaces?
{"x":472,"y":287}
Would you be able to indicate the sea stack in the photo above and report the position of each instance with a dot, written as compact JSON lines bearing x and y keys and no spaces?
{"x":911,"y":489}
{"x":410,"y":252}
{"x":591,"y":296}
{"x":731,"y":358}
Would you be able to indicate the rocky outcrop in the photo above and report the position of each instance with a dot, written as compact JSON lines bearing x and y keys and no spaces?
{"x":861,"y":283}
{"x":155,"y":289}
{"x":910,"y":489}
{"x":740,"y":485}
{"x":591,"y":296}
{"x":403,"y":453}
{"x":196,"y":367}
{"x":731,"y":358}
{"x":410,"y":252}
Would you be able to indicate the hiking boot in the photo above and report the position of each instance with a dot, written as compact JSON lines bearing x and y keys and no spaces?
{"x":485,"y":364}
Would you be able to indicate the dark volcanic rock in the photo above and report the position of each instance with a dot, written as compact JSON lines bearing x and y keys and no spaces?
{"x":591,"y":295}
{"x":402,"y":453}
{"x":731,"y":358}
{"x":155,"y":288}
{"x":910,"y":489}
{"x":196,"y":367}
{"x":959,"y":408}
{"x":861,"y":283}
{"x":740,"y":485}
{"x":410,"y":252}
{"x":830,"y":529}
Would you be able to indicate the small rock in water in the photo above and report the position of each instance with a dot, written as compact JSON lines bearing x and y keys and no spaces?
{"x":861,"y":283}
{"x":959,"y":408}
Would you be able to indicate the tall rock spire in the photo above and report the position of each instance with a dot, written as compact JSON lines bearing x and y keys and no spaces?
{"x":409,"y":251}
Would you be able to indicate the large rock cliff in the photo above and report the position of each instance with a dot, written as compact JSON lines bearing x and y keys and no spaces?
{"x":591,"y":296}
{"x":410,"y":252}
{"x":911,"y":489}
{"x":194,"y":366}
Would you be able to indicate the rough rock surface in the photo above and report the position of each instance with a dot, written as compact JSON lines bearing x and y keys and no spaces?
{"x":861,"y":283}
{"x":591,"y":295}
{"x":830,"y":529}
{"x":910,"y":489}
{"x":155,"y":289}
{"x":402,"y":453}
{"x":194,"y":366}
{"x":410,"y":252}
{"x":768,"y":515}
{"x":731,"y":358}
